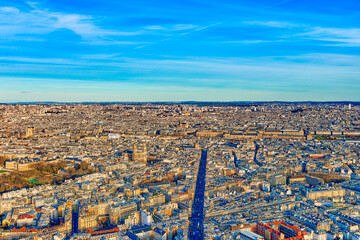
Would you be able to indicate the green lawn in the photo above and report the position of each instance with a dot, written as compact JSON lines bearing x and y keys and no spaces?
{"x":319,"y":137}
{"x":33,"y":181}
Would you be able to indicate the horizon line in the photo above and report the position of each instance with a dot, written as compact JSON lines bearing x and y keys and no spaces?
{"x":175,"y":102}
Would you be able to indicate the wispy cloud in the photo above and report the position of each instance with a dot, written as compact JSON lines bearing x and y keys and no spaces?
{"x":252,"y":41}
{"x":191,"y":30}
{"x":349,"y":36}
{"x":58,"y":61}
{"x":274,"y":24}
{"x":175,"y":27}
{"x":9,"y":10}
{"x":39,"y":21}
{"x":276,"y":69}
{"x":341,"y":36}
{"x":329,"y":59}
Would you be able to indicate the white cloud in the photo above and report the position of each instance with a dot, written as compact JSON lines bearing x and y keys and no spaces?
{"x":155,"y":27}
{"x":180,"y":27}
{"x":340,"y":35}
{"x":252,"y":41}
{"x":271,"y":24}
{"x":60,"y":61}
{"x":9,"y":10}
{"x":176,"y":27}
{"x":328,"y":59}
{"x":39,"y":21}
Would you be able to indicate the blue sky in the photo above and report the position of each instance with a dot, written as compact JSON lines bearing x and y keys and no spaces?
{"x":156,"y":50}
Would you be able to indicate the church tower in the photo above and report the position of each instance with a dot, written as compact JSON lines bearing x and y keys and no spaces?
{"x":139,"y":155}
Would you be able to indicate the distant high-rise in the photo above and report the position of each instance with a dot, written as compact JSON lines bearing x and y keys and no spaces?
{"x":349,"y":106}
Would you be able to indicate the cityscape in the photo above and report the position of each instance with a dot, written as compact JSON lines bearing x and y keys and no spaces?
{"x":180,"y":171}
{"x":180,"y":120}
